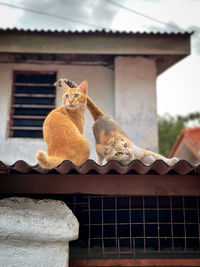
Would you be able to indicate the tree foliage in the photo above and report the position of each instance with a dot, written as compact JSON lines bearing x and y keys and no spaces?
{"x":191,"y":117}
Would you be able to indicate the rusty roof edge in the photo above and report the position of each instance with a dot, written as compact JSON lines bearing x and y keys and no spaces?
{"x":159,"y":167}
{"x":4,"y":169}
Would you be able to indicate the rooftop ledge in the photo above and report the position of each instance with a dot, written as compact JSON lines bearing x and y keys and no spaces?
{"x":111,"y":179}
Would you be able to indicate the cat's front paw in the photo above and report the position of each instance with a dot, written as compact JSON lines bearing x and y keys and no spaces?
{"x":148,"y":160}
{"x":172,"y":161}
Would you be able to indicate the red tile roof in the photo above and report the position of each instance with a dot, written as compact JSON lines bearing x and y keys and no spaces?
{"x":193,"y":137}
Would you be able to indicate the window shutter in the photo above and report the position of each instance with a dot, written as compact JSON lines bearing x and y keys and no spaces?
{"x":33,"y":98}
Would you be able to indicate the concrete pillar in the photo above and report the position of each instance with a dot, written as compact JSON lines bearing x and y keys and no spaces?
{"x":135,"y":100}
{"x":35,"y":233}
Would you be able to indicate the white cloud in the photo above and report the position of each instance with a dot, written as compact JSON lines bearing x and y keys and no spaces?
{"x":179,"y":87}
{"x":9,"y":16}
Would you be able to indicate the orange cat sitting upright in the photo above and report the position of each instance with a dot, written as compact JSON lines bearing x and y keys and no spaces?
{"x":63,"y":130}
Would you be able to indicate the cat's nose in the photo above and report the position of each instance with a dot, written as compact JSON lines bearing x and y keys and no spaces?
{"x":70,"y":101}
{"x":128,"y":153}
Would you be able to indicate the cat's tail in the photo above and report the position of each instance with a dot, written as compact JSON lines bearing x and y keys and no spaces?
{"x":47,"y":162}
{"x":94,"y":109}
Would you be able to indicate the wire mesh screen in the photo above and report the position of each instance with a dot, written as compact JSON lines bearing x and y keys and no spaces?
{"x":131,"y":227}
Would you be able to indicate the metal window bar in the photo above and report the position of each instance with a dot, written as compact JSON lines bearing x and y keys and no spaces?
{"x":102,"y":228}
{"x":158,"y":222}
{"x":172,"y":230}
{"x":144,"y":230}
{"x":184,"y":224}
{"x":198,"y":214}
{"x":116,"y":242}
{"x":89,"y":230}
{"x":121,"y":240}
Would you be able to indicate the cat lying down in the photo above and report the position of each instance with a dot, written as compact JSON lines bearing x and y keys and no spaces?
{"x":124,"y":152}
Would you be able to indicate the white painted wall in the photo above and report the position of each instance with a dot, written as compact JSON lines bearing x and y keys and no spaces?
{"x":128,"y":93}
{"x":35,"y":233}
{"x":101,"y":89}
{"x":135,"y":100}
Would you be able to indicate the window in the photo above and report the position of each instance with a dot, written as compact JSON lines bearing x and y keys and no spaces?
{"x":33,"y":98}
{"x":135,"y":226}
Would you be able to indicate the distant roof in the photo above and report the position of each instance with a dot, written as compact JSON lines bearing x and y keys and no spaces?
{"x":193,"y":137}
{"x":155,"y":32}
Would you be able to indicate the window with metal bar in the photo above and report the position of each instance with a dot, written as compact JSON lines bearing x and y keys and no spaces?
{"x":135,"y":227}
{"x":32,"y":99}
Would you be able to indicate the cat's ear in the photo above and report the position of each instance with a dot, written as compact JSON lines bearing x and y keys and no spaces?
{"x":103,"y":150}
{"x":84,"y":87}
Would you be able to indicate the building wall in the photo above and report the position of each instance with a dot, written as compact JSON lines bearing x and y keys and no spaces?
{"x":101,"y":89}
{"x":128,"y":93}
{"x":135,"y":99}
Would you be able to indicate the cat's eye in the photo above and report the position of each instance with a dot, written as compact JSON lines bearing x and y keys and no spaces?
{"x":66,"y":96}
{"x":76,"y":95}
{"x":118,"y":153}
{"x":125,"y":145}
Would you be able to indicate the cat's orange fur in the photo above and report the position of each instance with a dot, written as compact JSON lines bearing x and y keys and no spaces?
{"x":63,"y":130}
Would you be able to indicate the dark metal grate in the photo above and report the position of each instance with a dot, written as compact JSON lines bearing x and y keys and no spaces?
{"x":33,"y":98}
{"x":133,"y":227}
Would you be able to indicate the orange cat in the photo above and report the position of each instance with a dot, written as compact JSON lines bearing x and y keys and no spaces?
{"x":63,"y":129}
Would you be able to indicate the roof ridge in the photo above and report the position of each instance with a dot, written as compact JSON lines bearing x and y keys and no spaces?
{"x":164,"y":32}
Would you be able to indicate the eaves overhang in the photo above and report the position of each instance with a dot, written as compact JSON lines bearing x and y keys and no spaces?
{"x":166,"y":48}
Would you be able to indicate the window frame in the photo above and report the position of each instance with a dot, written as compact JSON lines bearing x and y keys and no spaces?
{"x":12,"y":98}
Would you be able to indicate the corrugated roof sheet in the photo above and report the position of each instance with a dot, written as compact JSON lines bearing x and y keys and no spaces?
{"x":182,"y":167}
{"x":103,"y":31}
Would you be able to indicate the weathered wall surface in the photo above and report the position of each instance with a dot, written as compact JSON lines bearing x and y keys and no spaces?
{"x":135,"y":99}
{"x":35,"y":233}
{"x":101,"y":89}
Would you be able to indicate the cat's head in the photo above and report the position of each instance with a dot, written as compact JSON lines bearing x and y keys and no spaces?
{"x":117,"y":149}
{"x":75,"y":98}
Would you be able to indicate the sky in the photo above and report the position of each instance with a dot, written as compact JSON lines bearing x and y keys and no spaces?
{"x":178,"y":88}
